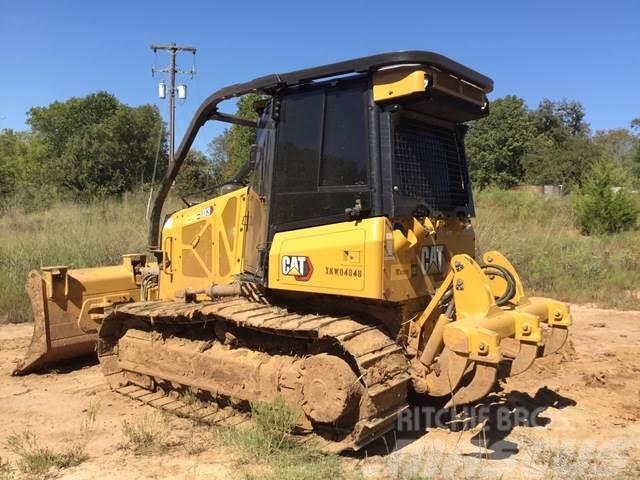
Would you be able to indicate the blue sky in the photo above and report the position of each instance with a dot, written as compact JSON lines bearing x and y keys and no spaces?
{"x":583,"y":50}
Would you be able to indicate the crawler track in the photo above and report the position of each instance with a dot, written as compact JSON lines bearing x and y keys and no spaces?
{"x":377,"y":362}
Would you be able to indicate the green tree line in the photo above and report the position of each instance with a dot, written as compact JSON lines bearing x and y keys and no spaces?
{"x":80,"y":149}
{"x":549,"y":145}
{"x":96,"y":146}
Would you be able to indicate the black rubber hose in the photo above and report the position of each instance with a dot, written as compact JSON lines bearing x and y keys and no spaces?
{"x":506,"y":275}
{"x":447,"y":298}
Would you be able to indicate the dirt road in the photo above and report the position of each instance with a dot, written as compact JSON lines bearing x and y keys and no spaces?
{"x":574,"y":413}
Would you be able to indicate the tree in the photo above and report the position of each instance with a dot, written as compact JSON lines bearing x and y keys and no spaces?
{"x":497,"y":144}
{"x":219,"y":151}
{"x":195,"y":174}
{"x":601,"y":205}
{"x":10,"y":147}
{"x":562,"y":149}
{"x":571,"y":114}
{"x":231,"y":149}
{"x":560,"y":120}
{"x":620,"y":147}
{"x":23,"y":178}
{"x":96,"y":145}
{"x":635,"y":129}
{"x":549,"y":162}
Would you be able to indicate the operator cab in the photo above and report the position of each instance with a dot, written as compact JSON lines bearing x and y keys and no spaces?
{"x":386,"y":143}
{"x":374,"y":136}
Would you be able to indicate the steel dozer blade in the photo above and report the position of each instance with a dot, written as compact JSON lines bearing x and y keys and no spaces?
{"x":66,"y":305}
{"x":56,"y":336}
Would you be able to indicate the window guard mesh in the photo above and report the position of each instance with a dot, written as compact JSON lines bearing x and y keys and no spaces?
{"x":429,"y":166}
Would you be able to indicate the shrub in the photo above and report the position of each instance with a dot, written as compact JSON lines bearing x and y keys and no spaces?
{"x":538,"y":235}
{"x":146,"y":435}
{"x":36,"y":460}
{"x":600,"y":208}
{"x":269,"y":441}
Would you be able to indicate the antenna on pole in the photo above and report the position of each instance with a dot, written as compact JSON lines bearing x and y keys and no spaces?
{"x":173,"y":50}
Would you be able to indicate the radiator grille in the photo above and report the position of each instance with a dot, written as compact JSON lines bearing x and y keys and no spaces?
{"x":429,"y":166}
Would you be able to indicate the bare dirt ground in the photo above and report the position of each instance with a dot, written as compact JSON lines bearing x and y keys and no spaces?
{"x":576,"y":413}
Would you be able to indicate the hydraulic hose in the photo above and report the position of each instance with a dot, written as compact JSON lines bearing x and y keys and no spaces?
{"x":502,"y":272}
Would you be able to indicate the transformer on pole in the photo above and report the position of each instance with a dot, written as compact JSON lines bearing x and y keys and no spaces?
{"x":173,"y":50}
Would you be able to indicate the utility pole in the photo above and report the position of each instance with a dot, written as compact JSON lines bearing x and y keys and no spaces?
{"x":173,"y":50}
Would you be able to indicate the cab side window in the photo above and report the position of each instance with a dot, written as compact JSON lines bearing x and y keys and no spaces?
{"x":321,"y":158}
{"x":344,"y":148}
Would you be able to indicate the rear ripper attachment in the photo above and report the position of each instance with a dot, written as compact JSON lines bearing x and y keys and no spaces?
{"x":481,"y":320}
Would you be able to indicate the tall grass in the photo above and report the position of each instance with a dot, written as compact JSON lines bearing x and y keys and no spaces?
{"x":69,"y":234}
{"x":538,"y":234}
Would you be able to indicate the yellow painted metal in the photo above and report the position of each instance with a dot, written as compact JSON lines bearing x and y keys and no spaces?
{"x":376,"y":258}
{"x":470,"y":337}
{"x":419,"y":270}
{"x":557,"y":313}
{"x":435,"y":300}
{"x":498,"y":284}
{"x":475,"y":338}
{"x":481,"y":325}
{"x":256,"y":232}
{"x":203,"y":244}
{"x":434,"y":343}
{"x":78,"y":292}
{"x":343,"y":258}
{"x":393,"y":83}
{"x":67,"y":304}
{"x":398,"y":82}
{"x":471,"y":293}
{"x":526,"y":326}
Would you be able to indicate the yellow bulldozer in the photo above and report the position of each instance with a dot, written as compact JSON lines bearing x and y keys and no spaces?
{"x":337,"y":271}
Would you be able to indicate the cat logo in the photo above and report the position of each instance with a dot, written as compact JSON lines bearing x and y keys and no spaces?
{"x":431,"y":259}
{"x":298,"y":267}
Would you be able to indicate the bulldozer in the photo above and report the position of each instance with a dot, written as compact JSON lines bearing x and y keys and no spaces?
{"x":337,"y":271}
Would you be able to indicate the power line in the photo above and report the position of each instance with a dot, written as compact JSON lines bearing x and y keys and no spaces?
{"x":173,"y":50}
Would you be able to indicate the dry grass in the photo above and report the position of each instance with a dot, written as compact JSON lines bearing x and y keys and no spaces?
{"x":66,"y":234}
{"x":147,"y":435}
{"x":438,"y":461}
{"x":537,"y":233}
{"x":89,"y":418}
{"x":7,"y":472}
{"x":539,"y":236}
{"x":539,"y":458}
{"x":36,"y":460}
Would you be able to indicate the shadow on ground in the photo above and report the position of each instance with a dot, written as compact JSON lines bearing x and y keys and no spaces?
{"x":499,"y":413}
